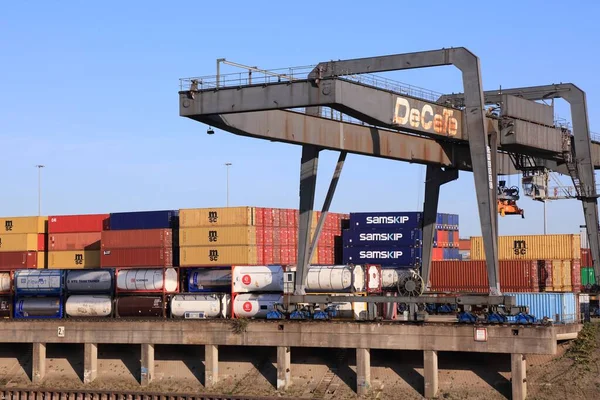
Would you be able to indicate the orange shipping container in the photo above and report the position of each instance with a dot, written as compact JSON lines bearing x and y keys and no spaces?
{"x":73,"y":259}
{"x":218,"y":255}
{"x":531,"y":247}
{"x":74,"y":241}
{"x":221,"y":236}
{"x":224,"y":216}
{"x":23,"y":225}
{"x":22,"y":242}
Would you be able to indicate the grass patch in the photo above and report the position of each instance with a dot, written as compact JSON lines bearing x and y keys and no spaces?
{"x":582,"y":349}
{"x":239,"y":325}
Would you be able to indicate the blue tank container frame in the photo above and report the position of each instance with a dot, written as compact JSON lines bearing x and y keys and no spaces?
{"x":38,"y":282}
{"x":38,"y":307}
{"x":97,"y":281}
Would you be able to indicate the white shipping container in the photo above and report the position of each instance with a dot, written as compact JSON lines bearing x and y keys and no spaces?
{"x":4,"y":282}
{"x":147,"y":280}
{"x":389,"y":278}
{"x":88,"y":306}
{"x":259,"y":278}
{"x":373,"y":278}
{"x":200,"y":305}
{"x":585,"y":244}
{"x":253,"y":305}
{"x":335,"y":278}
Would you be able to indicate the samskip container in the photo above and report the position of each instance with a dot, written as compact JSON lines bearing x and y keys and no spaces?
{"x":5,"y":282}
{"x":20,"y":259}
{"x":77,"y":259}
{"x":144,"y":220}
{"x":558,"y":307}
{"x":5,"y":307}
{"x":88,"y":306}
{"x":38,"y":282}
{"x":221,"y":236}
{"x":138,"y":257}
{"x":386,"y":220}
{"x":22,"y":242}
{"x":263,"y":278}
{"x":23,"y":225}
{"x":200,"y":306}
{"x":97,"y":281}
{"x":230,"y":216}
{"x":138,"y":238}
{"x":335,"y":278}
{"x":391,"y":237}
{"x":255,"y":305}
{"x":147,"y":280}
{"x":401,"y":256}
{"x":139,"y":306}
{"x":78,"y":223}
{"x":531,"y":247}
{"x":38,"y":307}
{"x":209,"y":280}
{"x":218,"y":255}
{"x":471,"y":276}
{"x":74,"y":241}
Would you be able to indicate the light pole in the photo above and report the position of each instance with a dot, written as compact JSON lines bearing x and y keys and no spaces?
{"x":227,"y":165}
{"x":39,"y":167}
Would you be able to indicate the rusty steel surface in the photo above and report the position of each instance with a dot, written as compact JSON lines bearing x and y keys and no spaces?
{"x":50,"y":394}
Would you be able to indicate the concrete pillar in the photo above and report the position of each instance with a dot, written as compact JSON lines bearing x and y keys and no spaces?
{"x":211,"y":365}
{"x":430,"y":365}
{"x":284,"y":364}
{"x":147,"y":364}
{"x":518,"y":371}
{"x":90,"y":362}
{"x":363,"y":371}
{"x":39,"y":363}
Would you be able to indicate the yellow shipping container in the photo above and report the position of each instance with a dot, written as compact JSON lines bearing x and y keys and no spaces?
{"x":74,"y":259}
{"x":42,"y":259}
{"x":23,"y":225}
{"x":19,"y":242}
{"x":218,"y":235}
{"x":218,"y":255}
{"x":561,"y":276}
{"x":226,"y":216}
{"x":531,"y":247}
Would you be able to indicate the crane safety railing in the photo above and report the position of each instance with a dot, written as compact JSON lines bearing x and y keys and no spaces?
{"x":257,"y":76}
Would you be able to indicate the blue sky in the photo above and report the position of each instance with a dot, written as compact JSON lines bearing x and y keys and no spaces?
{"x":90,"y":90}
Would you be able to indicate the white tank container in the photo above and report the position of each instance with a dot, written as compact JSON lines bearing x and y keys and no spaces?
{"x":4,"y":282}
{"x":88,"y":306}
{"x":389,"y":278}
{"x":253,"y":305}
{"x":147,"y":280}
{"x":38,"y":281}
{"x":259,"y":278}
{"x":335,"y":278}
{"x":200,"y":305}
{"x":373,"y":278}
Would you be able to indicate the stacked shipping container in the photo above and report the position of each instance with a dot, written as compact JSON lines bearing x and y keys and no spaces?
{"x":588,"y":276}
{"x":74,"y":240}
{"x":141,"y":239}
{"x":23,"y":242}
{"x":250,"y":236}
{"x":395,"y":238}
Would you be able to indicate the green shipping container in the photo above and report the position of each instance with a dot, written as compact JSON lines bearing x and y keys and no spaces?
{"x":587,"y":276}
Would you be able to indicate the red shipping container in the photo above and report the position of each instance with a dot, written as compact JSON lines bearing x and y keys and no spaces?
{"x":285,"y":255}
{"x":42,"y":238}
{"x":276,"y":255}
{"x":276,"y":236}
{"x":78,"y":223}
{"x":268,"y":255}
{"x":284,"y":237}
{"x":137,"y":257}
{"x":74,"y":241}
{"x":259,"y":216}
{"x":140,"y":238}
{"x":471,"y":276}
{"x":268,"y":236}
{"x":576,"y":275}
{"x":260,"y":256}
{"x":293,"y":218}
{"x":437,"y":254}
{"x":18,"y":260}
{"x":545,"y":281}
{"x":268,"y":217}
{"x":464,"y":244}
{"x":283,"y":218}
{"x":442,"y":238}
{"x":260,"y":235}
{"x":586,"y":258}
{"x":275,"y":217}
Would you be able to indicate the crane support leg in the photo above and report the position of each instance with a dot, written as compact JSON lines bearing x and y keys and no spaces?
{"x":434,"y":179}
{"x":327,"y":203}
{"x":308,"y":183}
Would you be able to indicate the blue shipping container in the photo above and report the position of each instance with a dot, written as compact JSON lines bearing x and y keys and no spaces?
{"x":559,"y":307}
{"x":390,"y":237}
{"x":144,"y":220}
{"x":39,"y":281}
{"x":38,"y":307}
{"x":386,"y":220}
{"x":399,"y":256}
